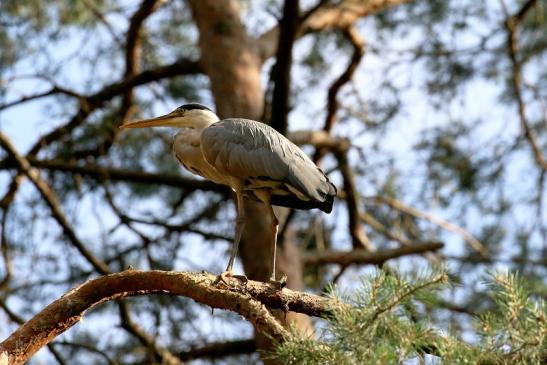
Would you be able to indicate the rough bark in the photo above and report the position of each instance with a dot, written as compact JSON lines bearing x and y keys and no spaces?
{"x":249,"y":300}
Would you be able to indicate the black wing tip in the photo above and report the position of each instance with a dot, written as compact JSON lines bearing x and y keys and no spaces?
{"x":326,"y":206}
{"x":291,"y":201}
{"x":329,"y":197}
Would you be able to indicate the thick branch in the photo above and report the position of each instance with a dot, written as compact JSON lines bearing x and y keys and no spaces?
{"x":341,"y":15}
{"x":249,"y":301}
{"x":366,"y":257}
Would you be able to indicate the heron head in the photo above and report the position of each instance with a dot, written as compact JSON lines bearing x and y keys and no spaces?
{"x":185,"y":116}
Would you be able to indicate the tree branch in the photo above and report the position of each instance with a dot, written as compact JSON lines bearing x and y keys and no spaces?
{"x":163,"y":355}
{"x":53,"y":91}
{"x":90,"y":103}
{"x":468,"y":237}
{"x":512,"y":25}
{"x":108,"y":173}
{"x":218,"y":350}
{"x":326,"y":16}
{"x":281,"y":73}
{"x":53,"y":203}
{"x":133,"y":57}
{"x":248,"y":300}
{"x":366,"y":257}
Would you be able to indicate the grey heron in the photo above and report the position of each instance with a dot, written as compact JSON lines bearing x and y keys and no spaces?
{"x":251,"y":158}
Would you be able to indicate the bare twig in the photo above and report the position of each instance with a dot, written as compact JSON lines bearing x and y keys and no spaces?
{"x":353,"y":200}
{"x":512,"y":23}
{"x":104,"y":173}
{"x":217,"y":350}
{"x":366,"y":257}
{"x":53,"y":203}
{"x":53,"y":91}
{"x":468,"y":237}
{"x":90,"y":103}
{"x":164,"y":356}
{"x":352,"y":35}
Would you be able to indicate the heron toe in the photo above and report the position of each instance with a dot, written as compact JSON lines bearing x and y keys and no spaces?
{"x":279,"y":284}
{"x":227,"y":275}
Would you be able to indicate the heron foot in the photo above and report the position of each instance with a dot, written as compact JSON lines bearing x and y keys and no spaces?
{"x":278,"y":284}
{"x":225,"y":278}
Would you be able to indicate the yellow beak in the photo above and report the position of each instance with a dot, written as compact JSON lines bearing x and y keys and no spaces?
{"x":167,"y":120}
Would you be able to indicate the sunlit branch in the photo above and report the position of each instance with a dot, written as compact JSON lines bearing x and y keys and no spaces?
{"x":249,"y":300}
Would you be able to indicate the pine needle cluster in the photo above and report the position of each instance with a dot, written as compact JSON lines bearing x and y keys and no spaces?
{"x":378,"y":325}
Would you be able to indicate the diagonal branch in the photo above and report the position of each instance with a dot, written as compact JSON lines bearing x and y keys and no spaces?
{"x":164,"y":356}
{"x":90,"y":103}
{"x":512,"y":25}
{"x":55,"y":90}
{"x":133,"y":57}
{"x":443,"y":223}
{"x":358,"y":44}
{"x":249,"y":300}
{"x":53,"y":203}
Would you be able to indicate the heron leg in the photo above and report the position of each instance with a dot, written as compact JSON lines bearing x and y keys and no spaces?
{"x":240,"y":226}
{"x":275,"y":229}
{"x":265,"y":197}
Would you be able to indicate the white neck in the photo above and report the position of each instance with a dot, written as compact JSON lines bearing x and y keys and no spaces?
{"x":203,"y":118}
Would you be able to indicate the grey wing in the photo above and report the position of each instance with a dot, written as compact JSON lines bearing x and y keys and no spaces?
{"x":248,"y":149}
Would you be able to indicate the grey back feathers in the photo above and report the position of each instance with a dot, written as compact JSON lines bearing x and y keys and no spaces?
{"x":263,"y":158}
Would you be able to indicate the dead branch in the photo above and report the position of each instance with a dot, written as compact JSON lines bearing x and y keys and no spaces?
{"x":249,"y":300}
